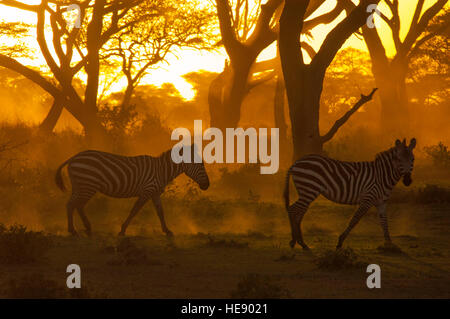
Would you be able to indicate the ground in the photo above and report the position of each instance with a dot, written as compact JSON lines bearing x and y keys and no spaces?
{"x":211,"y":263}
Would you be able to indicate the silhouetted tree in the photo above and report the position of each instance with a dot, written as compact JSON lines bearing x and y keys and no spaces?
{"x":429,"y":68}
{"x":168,"y":26}
{"x":245,"y":34}
{"x":390,"y":73}
{"x":109,"y":29}
{"x":304,"y":82}
{"x":65,"y":43}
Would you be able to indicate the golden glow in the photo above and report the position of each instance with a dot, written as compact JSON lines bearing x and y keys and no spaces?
{"x":187,"y":61}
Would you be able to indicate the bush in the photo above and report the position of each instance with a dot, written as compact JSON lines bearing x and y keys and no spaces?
{"x":223,"y":243}
{"x":254,"y":286}
{"x":128,"y":253}
{"x":338,"y":259}
{"x":439,"y":154}
{"x":431,"y":194}
{"x":19,"y":246}
{"x":35,"y":286}
{"x":390,"y":249}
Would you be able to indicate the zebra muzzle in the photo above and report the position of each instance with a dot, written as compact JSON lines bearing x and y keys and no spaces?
{"x":407,"y":179}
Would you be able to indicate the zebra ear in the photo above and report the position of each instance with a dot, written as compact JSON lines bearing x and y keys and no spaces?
{"x":404,"y":142}
{"x":412,"y":144}
{"x":398,"y":143}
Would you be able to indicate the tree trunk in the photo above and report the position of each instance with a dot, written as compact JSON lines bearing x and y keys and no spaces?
{"x":304,"y":107}
{"x":279,"y":118}
{"x":394,"y":100}
{"x":390,"y":77}
{"x":93,"y":43}
{"x":47,"y":126}
{"x":128,"y":95}
{"x":304,"y":83}
{"x":226,"y":94}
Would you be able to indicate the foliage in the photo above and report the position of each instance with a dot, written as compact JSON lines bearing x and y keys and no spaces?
{"x":255,"y":286}
{"x":128,"y":253}
{"x":118,"y":120}
{"x":439,"y":154}
{"x":348,"y":77}
{"x":390,"y":249}
{"x":35,"y":286}
{"x":224,"y":243}
{"x":20,"y":246}
{"x":430,"y":63}
{"x":432,"y":194}
{"x":343,"y":258}
{"x":155,"y":29}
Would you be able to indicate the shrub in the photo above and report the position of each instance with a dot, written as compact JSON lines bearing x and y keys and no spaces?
{"x":439,"y":154}
{"x":431,"y":194}
{"x":19,"y":246}
{"x":118,"y":120}
{"x":338,"y":259}
{"x":223,"y":243}
{"x":390,"y":249}
{"x":254,"y":286}
{"x":35,"y":286}
{"x":128,"y":253}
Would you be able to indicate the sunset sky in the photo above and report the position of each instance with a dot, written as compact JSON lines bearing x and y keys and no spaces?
{"x":191,"y":60}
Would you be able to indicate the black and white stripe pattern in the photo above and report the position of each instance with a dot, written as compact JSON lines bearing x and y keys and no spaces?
{"x":144,"y":177}
{"x":364,"y":183}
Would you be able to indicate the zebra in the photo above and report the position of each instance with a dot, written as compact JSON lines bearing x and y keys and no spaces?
{"x":144,"y":177}
{"x":364,"y":183}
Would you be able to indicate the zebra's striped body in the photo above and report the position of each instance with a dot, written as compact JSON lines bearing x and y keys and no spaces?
{"x":144,"y":177}
{"x":364,"y":183}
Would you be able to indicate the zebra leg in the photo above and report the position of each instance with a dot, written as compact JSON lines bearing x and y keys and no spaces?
{"x":158,"y":206}
{"x":296,"y":212}
{"x":360,"y":212}
{"x":137,"y":206}
{"x":70,"y":208}
{"x":86,"y":222}
{"x":383,"y":221}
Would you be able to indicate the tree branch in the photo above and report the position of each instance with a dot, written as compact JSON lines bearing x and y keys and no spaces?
{"x":263,"y":35}
{"x":20,"y":5}
{"x":254,"y":83}
{"x":309,"y":49}
{"x":427,"y":37}
{"x":336,"y":38}
{"x":420,"y":27}
{"x":229,"y":40}
{"x":30,"y":74}
{"x":324,"y":18}
{"x":291,"y":25}
{"x":363,"y":100}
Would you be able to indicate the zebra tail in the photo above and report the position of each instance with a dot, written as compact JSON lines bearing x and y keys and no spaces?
{"x":58,"y":177}
{"x":286,"y":190}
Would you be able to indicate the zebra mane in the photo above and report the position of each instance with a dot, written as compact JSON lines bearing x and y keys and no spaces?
{"x":193,"y":148}
{"x":165,"y":153}
{"x":389,"y":154}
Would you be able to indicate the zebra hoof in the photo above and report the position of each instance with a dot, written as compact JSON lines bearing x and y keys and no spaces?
{"x":292,"y":243}
{"x":74,"y":233}
{"x":169,"y":233}
{"x":121,"y":234}
{"x":306,"y":248}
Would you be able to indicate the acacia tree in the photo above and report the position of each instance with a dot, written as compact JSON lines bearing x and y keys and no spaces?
{"x":391,"y":73}
{"x":429,"y":71}
{"x":144,"y":44}
{"x":245,"y":34}
{"x":304,"y":82}
{"x":101,"y":19}
{"x":108,"y":29}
